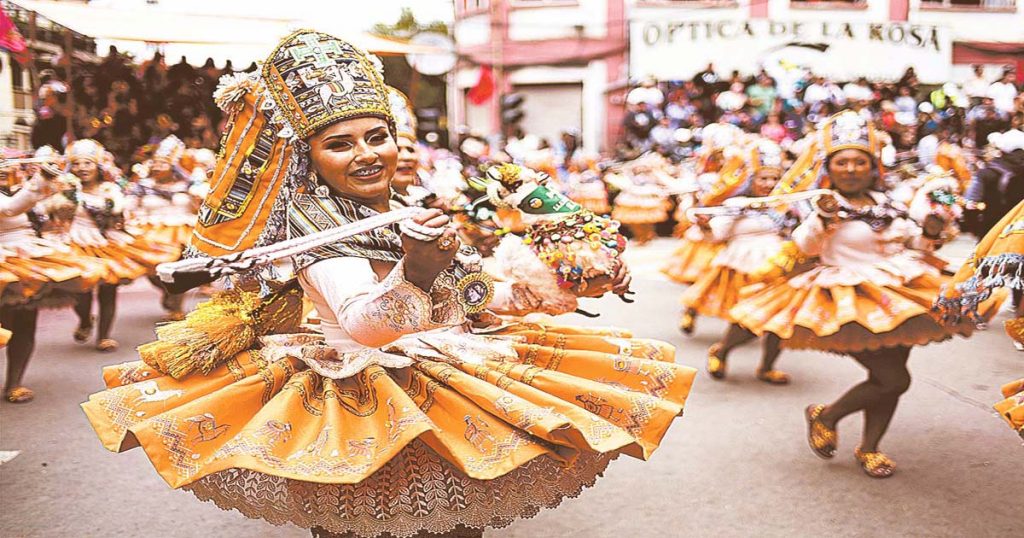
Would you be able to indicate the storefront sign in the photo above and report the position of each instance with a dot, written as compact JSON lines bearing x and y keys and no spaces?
{"x":676,"y":49}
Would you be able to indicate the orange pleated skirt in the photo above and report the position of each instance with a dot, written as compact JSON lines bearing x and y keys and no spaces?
{"x":453,"y":440}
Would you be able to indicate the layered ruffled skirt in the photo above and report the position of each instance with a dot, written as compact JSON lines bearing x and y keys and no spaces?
{"x":458,"y":438}
{"x":814,"y":311}
{"x":1012,"y":407}
{"x":691,"y":260}
{"x":35,"y":272}
{"x":126,"y":257}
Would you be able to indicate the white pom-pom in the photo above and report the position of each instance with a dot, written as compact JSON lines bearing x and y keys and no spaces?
{"x":231,"y":88}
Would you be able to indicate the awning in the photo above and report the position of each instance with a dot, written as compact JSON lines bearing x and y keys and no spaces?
{"x":240,"y":38}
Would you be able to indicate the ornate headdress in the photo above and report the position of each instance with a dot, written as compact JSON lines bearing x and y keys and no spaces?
{"x":766,"y":154}
{"x":845,"y":130}
{"x":849,"y":130}
{"x":85,"y":148}
{"x":310,"y":81}
{"x":169,"y":150}
{"x":405,"y":117}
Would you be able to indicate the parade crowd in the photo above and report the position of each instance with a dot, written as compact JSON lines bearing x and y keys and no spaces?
{"x":412,"y":377}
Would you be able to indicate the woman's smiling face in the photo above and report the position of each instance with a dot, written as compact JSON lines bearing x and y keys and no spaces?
{"x":850,"y":171}
{"x":356,"y":158}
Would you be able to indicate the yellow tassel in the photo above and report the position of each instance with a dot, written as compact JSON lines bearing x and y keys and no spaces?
{"x":219,"y":329}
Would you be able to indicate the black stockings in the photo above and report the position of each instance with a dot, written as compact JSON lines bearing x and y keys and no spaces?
{"x":736,"y":335}
{"x":22,"y":324}
{"x":107,"y":294}
{"x":888,"y":379}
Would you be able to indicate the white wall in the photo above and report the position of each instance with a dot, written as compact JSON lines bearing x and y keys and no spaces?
{"x":474,"y":30}
{"x":553,"y":22}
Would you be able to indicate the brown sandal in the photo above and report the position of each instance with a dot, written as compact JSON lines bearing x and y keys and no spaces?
{"x":773,"y":377}
{"x":716,"y":365}
{"x":822,"y":439}
{"x":20,"y":395}
{"x":688,"y":323}
{"x":107,"y":345}
{"x":875,"y":464}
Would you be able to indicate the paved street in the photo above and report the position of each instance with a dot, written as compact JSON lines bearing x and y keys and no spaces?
{"x":737,"y":464}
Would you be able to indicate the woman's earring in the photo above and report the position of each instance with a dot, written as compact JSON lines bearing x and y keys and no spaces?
{"x":320,"y":189}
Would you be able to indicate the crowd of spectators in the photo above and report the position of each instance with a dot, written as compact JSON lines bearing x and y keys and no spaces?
{"x":906,"y":109}
{"x":127,"y":106}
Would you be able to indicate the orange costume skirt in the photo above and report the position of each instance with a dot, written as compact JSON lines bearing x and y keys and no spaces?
{"x":164,"y":233}
{"x":127,"y":257}
{"x":691,"y":260}
{"x":445,"y":442}
{"x":1012,"y":408}
{"x":36,"y":272}
{"x":716,"y":291}
{"x":850,"y":318}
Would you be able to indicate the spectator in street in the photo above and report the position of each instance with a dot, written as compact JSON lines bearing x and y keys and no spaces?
{"x":976,"y":87}
{"x":1003,"y":92}
{"x":1000,"y":184}
{"x":762,"y":95}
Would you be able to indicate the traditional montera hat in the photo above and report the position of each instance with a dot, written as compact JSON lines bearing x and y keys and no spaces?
{"x":849,"y":130}
{"x":310,"y":81}
{"x":85,"y":148}
{"x":169,"y":150}
{"x":405,"y":117}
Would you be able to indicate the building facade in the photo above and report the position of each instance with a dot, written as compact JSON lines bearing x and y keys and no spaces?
{"x":572,"y":60}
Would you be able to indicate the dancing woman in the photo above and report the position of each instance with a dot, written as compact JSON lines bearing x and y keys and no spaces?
{"x":752,"y":237}
{"x":34,"y":272}
{"x":161,"y":207}
{"x":868,"y":296}
{"x":997,"y":262}
{"x":90,"y":218}
{"x":395,"y":417}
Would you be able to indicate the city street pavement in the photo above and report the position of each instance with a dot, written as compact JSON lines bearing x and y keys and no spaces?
{"x":736,"y":464}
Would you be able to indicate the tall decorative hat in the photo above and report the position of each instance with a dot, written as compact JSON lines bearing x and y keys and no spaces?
{"x":844,"y":130}
{"x":766,"y":154}
{"x":169,"y":150}
{"x":849,"y":130}
{"x":310,"y":81}
{"x":85,"y":148}
{"x":405,"y":116}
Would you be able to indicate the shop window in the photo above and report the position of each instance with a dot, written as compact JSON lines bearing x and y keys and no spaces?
{"x":826,"y":2}
{"x":994,"y":5}
{"x":470,"y":7}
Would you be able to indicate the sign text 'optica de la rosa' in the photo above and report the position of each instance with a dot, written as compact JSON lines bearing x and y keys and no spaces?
{"x":680,"y":48}
{"x":914,"y":35}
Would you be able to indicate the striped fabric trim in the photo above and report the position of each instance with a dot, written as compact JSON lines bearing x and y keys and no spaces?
{"x":309,"y":214}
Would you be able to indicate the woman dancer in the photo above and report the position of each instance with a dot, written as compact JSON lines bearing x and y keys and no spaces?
{"x":752,"y":237}
{"x":90,"y":219}
{"x":399,"y":418}
{"x":998,"y":261}
{"x":161,"y":207}
{"x":34,"y":272}
{"x":869,"y":296}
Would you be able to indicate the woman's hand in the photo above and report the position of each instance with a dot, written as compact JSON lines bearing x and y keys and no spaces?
{"x":424,"y":260}
{"x":933,"y":226}
{"x":827,"y":205}
{"x":617,"y":283}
